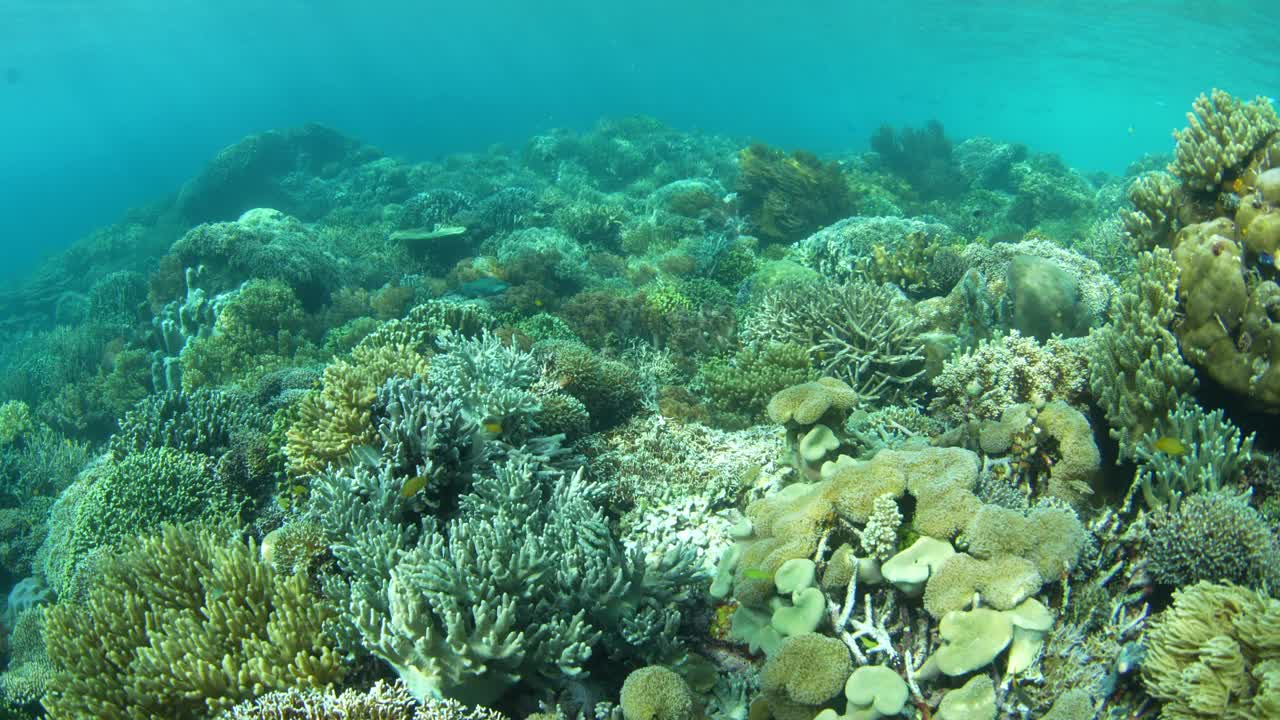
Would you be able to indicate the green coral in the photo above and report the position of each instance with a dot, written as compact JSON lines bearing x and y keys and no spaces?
{"x":128,"y":497}
{"x":788,"y":197}
{"x":260,"y":328}
{"x":1136,"y":372}
{"x":611,"y":390}
{"x":1212,"y":455}
{"x":201,"y":420}
{"x":1221,"y":136}
{"x":1215,"y":654}
{"x":25,"y":679}
{"x":184,"y":624}
{"x":656,"y":693}
{"x":1211,"y":536}
{"x":742,"y":385}
{"x":15,"y":422}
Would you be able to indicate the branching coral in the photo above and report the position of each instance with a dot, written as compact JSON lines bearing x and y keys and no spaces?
{"x":864,"y":334}
{"x":1136,"y":372}
{"x":1222,"y":134}
{"x":982,"y":382}
{"x":1154,"y":220}
{"x":184,"y":624}
{"x":519,"y":588}
{"x":339,"y":416}
{"x":383,"y":701}
{"x":1212,"y":455}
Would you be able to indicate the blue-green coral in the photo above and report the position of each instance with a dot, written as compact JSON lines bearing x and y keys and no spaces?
{"x":520,"y":588}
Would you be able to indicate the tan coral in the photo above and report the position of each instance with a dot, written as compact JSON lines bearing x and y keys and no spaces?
{"x":339,"y":416}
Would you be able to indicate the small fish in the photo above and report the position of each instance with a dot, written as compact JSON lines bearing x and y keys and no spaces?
{"x":757,"y":574}
{"x":1131,"y":130}
{"x":494,"y":427}
{"x":1169,"y":446}
{"x":1267,"y":259}
{"x":413,"y":486}
{"x":298,"y":490}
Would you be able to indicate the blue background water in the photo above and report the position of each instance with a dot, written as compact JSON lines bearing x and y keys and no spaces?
{"x":106,"y":105}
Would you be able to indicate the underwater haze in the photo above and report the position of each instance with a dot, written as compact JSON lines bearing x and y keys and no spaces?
{"x":104,"y":106}
{"x":639,"y":361}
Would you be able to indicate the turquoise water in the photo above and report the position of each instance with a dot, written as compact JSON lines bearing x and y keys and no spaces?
{"x":103,"y":107}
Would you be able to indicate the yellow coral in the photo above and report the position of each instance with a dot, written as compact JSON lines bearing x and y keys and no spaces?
{"x":184,"y":624}
{"x":339,"y":416}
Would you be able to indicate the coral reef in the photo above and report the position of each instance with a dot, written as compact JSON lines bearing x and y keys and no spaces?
{"x":1213,"y":653}
{"x":184,"y":624}
{"x":788,"y":197}
{"x":491,"y":424}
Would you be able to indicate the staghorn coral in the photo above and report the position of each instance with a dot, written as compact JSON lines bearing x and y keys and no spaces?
{"x":1221,"y":136}
{"x":863,"y":334}
{"x":181,"y":625}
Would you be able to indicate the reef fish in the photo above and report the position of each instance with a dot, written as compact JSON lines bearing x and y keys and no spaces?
{"x":483,"y":287}
{"x":1169,"y":446}
{"x":413,"y":486}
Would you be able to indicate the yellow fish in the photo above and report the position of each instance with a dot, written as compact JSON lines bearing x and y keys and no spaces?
{"x":757,"y":574}
{"x":1169,"y":446}
{"x":413,"y":486}
{"x":493,"y":427}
